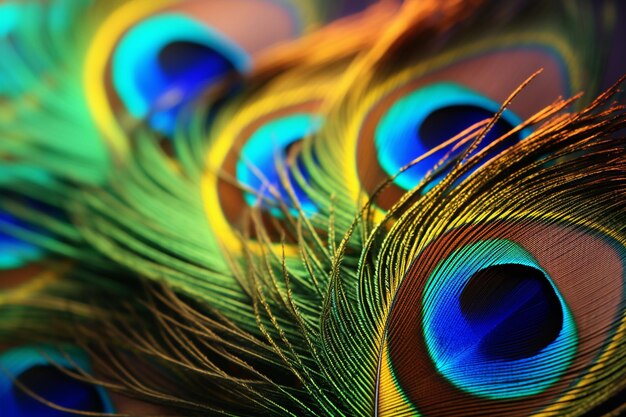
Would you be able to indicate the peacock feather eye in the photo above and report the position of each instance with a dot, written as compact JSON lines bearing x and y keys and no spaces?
{"x":147,"y":60}
{"x":414,"y":120}
{"x":35,"y":376}
{"x":165,"y":61}
{"x":263,"y":167}
{"x":508,"y":317}
{"x":499,"y":318}
{"x":255,"y":154}
{"x":434,"y":91}
{"x":265,"y":154}
{"x":424,"y":119}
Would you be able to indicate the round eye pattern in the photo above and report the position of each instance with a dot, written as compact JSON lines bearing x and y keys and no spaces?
{"x":429,"y":116}
{"x":164,"y":61}
{"x":38,"y":370}
{"x":500,"y":319}
{"x":266,"y":153}
{"x":503,"y":317}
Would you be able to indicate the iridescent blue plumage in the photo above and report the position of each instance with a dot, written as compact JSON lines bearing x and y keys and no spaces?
{"x":165,"y":61}
{"x":40,"y":370}
{"x":424,"y":119}
{"x":265,"y":154}
{"x":491,"y":338}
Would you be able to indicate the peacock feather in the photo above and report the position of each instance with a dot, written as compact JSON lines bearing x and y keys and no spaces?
{"x":296,"y":207}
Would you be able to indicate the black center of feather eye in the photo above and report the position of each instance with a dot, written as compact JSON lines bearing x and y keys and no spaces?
{"x":447,"y":122}
{"x":58,"y":388}
{"x":184,"y":58}
{"x":514,"y":308}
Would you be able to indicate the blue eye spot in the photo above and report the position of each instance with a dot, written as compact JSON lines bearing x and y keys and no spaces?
{"x":37,"y":369}
{"x":428,"y":117}
{"x":56,"y":387}
{"x":257,"y":166}
{"x":165,"y":61}
{"x":187,"y":63}
{"x":492,"y":311}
